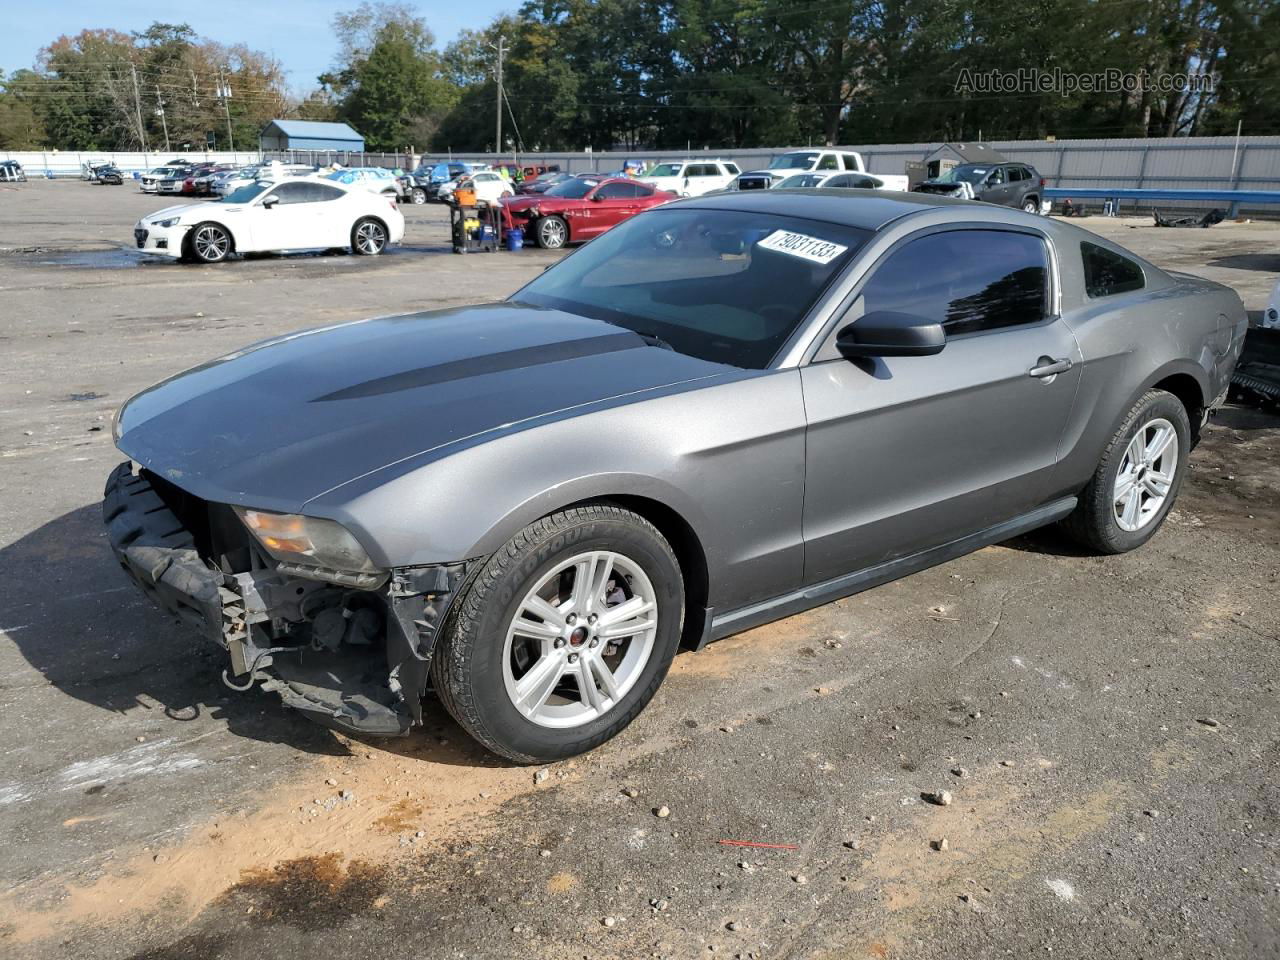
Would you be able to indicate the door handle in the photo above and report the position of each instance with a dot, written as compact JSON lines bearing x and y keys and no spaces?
{"x":1047,"y":367}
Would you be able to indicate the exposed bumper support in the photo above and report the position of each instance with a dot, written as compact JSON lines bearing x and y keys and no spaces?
{"x":316,"y":644}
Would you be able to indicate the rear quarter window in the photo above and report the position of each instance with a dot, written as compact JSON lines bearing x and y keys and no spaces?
{"x":1107,"y":273}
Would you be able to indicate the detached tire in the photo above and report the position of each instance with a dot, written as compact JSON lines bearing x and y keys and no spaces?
{"x":1138,"y":478}
{"x":368,"y":237}
{"x":552,"y":232}
{"x":563,"y":636}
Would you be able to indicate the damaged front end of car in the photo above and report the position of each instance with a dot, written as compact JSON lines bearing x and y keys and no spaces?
{"x":294,"y":601}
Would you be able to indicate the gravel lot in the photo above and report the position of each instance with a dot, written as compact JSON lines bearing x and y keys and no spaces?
{"x":1108,"y":728}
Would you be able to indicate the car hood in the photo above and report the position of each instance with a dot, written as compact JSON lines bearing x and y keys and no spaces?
{"x":542,"y":201}
{"x":201,"y":210}
{"x":286,"y":420}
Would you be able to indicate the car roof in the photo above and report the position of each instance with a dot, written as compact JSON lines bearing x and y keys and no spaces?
{"x":869,"y":212}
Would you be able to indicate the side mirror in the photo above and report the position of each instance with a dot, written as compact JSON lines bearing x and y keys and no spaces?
{"x":884,"y":333}
{"x":270,"y":201}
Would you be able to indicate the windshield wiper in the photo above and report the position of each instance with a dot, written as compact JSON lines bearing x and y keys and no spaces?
{"x":653,"y":340}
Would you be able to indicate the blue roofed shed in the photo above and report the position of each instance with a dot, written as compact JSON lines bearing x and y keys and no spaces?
{"x":309,"y":135}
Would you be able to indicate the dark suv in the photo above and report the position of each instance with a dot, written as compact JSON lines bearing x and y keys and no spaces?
{"x":1008,"y":184}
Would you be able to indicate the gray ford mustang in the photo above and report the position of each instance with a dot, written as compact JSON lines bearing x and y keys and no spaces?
{"x":719,"y":413}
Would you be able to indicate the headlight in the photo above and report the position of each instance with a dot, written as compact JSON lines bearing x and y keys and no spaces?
{"x":298,"y":539}
{"x":172,"y":221}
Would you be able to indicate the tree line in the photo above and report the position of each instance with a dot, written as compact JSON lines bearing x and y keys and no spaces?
{"x":689,"y":73}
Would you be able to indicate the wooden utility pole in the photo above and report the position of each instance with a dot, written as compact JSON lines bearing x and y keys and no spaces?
{"x":137,"y":106}
{"x":164,"y":123}
{"x":497,"y":138}
{"x":224,"y":90}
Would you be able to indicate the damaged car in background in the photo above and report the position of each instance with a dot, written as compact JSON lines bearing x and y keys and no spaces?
{"x":721,"y":412}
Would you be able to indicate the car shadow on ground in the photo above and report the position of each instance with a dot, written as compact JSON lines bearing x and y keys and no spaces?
{"x":71,"y":612}
{"x":1263,"y":262}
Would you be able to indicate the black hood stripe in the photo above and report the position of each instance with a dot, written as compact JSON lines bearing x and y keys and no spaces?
{"x":489,"y":363}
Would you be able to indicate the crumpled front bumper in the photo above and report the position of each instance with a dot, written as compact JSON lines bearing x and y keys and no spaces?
{"x":160,"y":554}
{"x":363,"y":672}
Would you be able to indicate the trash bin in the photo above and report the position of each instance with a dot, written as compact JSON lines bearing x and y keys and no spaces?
{"x":515,"y":239}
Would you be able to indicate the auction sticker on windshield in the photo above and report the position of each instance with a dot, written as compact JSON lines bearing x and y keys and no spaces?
{"x":801,"y":245}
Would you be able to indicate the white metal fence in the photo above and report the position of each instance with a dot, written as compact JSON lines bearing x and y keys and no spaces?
{"x":58,"y":163}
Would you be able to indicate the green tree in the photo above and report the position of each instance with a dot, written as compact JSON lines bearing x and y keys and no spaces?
{"x":396,"y":94}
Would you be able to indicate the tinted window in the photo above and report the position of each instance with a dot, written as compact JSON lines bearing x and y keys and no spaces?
{"x":723,"y":285}
{"x":829,"y":161}
{"x":966,"y":280}
{"x":1016,"y":173}
{"x":850,"y":161}
{"x":844,"y":180}
{"x":293,"y":193}
{"x":319,"y":192}
{"x":575,"y":188}
{"x":1107,"y":272}
{"x":732,"y":168}
{"x":620,"y":191}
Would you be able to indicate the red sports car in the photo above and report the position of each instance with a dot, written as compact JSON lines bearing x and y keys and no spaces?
{"x":580,"y":208}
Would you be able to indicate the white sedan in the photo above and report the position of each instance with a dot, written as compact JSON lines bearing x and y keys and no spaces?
{"x":490,"y":187}
{"x":830,"y":181}
{"x":270,"y":217}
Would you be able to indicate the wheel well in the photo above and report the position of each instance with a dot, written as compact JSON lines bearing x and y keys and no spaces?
{"x":688,"y":550}
{"x":1185,"y":388}
{"x":376,"y":219}
{"x":186,"y":238}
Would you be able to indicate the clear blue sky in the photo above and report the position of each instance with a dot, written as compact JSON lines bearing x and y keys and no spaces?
{"x":296,"y":32}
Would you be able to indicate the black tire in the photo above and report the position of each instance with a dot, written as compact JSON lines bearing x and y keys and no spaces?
{"x":1094,"y":523}
{"x":552,"y":232}
{"x":208,"y":242}
{"x":1031,"y":205}
{"x":467,"y":669}
{"x":368,"y":237}
{"x":418,"y":195}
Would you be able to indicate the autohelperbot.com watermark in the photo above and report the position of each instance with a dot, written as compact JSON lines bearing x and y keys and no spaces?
{"x":1064,"y":83}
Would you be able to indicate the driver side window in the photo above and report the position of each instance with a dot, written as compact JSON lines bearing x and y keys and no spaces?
{"x":967,"y":280}
{"x":290,"y":193}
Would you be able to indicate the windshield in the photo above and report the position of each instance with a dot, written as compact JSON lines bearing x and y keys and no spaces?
{"x":666,"y":170}
{"x":574,"y":189}
{"x":794,"y":161}
{"x":246,"y":193}
{"x":801,"y":180}
{"x":966,"y":173}
{"x":723,"y":285}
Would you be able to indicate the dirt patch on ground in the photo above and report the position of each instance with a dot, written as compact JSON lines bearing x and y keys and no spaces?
{"x":310,"y":893}
{"x":366,"y":807}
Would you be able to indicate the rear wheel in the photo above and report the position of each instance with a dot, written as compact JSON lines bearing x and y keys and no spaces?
{"x":418,"y":195}
{"x":563,"y":636}
{"x":1138,"y":478}
{"x":1031,"y":205}
{"x":368,"y":237}
{"x":553,"y":232}
{"x":209,"y":243}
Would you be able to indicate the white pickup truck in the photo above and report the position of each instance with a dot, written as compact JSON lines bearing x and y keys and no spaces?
{"x":814,"y":161}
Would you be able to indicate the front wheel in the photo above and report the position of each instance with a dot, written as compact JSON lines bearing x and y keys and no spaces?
{"x":418,"y":195}
{"x":553,"y":233}
{"x":563,"y":636}
{"x":1138,"y":478}
{"x":209,"y":243}
{"x":368,"y":237}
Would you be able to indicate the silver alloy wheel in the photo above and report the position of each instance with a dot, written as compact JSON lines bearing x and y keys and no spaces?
{"x":1146,"y":475}
{"x":211,"y":243}
{"x":370,"y":237}
{"x":419,"y":196}
{"x":1030,"y":206}
{"x":552,"y":233}
{"x":580,"y":639}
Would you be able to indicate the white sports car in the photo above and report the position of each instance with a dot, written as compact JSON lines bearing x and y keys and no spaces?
{"x":269,"y":217}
